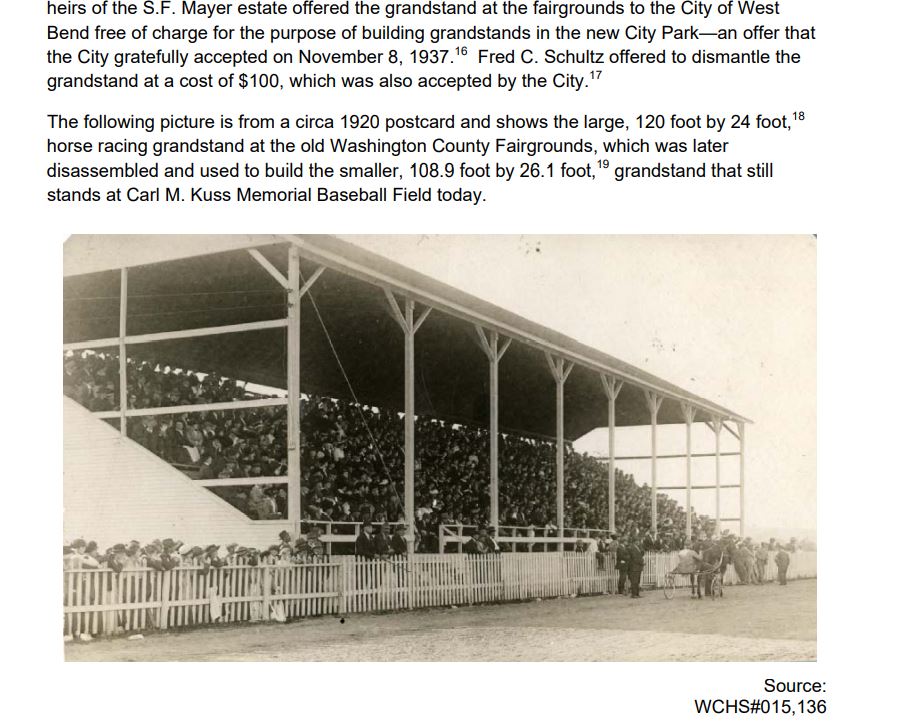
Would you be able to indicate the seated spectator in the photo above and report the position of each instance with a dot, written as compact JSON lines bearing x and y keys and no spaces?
{"x":352,"y":458}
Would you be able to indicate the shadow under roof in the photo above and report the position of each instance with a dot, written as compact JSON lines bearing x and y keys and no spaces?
{"x":188,"y":282}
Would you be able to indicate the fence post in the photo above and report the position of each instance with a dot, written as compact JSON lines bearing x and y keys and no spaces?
{"x":409,"y":579}
{"x":165,"y":584}
{"x":341,"y":591}
{"x":268,"y":588}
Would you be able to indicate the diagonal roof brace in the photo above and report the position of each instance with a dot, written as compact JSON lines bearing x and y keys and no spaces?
{"x":269,"y":267}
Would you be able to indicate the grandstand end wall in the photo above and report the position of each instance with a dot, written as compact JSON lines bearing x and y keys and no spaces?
{"x":115,"y":490}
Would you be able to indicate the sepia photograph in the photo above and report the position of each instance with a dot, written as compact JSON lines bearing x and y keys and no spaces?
{"x":439,"y":448}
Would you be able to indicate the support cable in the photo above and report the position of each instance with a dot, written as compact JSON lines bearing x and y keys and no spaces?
{"x":359,"y":407}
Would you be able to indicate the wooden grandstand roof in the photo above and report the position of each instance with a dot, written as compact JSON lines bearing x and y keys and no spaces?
{"x":187,"y":282}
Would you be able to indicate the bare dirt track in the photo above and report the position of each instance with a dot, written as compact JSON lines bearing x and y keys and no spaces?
{"x":751,"y":623}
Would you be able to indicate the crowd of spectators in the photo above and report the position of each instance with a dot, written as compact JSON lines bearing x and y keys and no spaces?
{"x":385,"y":541}
{"x":352,"y":458}
{"x":167,"y":554}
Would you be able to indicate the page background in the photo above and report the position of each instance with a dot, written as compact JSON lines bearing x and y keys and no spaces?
{"x":851,"y":194}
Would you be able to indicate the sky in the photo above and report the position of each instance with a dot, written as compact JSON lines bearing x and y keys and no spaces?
{"x":731,"y":319}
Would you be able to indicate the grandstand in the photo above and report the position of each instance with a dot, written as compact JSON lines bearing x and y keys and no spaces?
{"x":269,"y":381}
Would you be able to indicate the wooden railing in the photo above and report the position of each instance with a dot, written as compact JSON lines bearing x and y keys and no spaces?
{"x":342,"y":531}
{"x":102,"y":602}
{"x":509,"y":537}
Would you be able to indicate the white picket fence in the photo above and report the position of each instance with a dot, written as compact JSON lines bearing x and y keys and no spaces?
{"x":101,"y":602}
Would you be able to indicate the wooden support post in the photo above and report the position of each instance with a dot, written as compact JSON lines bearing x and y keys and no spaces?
{"x":294,"y":394}
{"x":742,"y":434}
{"x":612,"y":387}
{"x":409,"y":398}
{"x":654,"y":400}
{"x":560,"y":370}
{"x":689,"y":415}
{"x":410,"y":325}
{"x":494,"y":353}
{"x":122,"y":353}
{"x":716,"y":428}
{"x":494,"y":433}
{"x":560,"y":457}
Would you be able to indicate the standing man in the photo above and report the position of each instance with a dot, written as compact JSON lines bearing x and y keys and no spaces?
{"x":762,"y":562}
{"x":612,"y":549}
{"x":750,"y":557}
{"x":636,"y":561}
{"x":398,"y":541}
{"x":314,"y":547}
{"x":689,"y":562}
{"x":365,"y":546}
{"x":743,"y":563}
{"x":601,"y":553}
{"x":781,"y":561}
{"x":383,"y":541}
{"x":477,"y":545}
{"x":712,"y":555}
{"x":490,"y":541}
{"x":622,"y":564}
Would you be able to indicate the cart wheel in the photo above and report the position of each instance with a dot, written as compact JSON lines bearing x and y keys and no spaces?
{"x":670,"y":586}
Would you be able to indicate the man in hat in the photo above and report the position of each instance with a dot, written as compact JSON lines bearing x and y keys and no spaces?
{"x":635,"y":561}
{"x":689,"y":562}
{"x":475,"y":546}
{"x":613,"y":545}
{"x":314,"y":548}
{"x":399,"y":543}
{"x":151,"y":556}
{"x":92,"y":552}
{"x":489,"y":540}
{"x":117,"y":558}
{"x":365,"y":546}
{"x":782,"y":560}
{"x":580,"y":546}
{"x":746,"y":555}
{"x":192,"y":556}
{"x":762,"y":562}
{"x":270,"y":555}
{"x":535,"y":548}
{"x":382,"y":541}
{"x":298,"y":550}
{"x":134,"y":555}
{"x":85,"y":560}
{"x":170,"y":558}
{"x":712,"y":554}
{"x":601,"y":553}
{"x":212,"y":558}
{"x":622,"y":565}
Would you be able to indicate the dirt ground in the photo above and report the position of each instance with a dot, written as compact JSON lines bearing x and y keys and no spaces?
{"x":751,"y":623}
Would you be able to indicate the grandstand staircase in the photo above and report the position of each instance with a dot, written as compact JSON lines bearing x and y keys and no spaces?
{"x":116,"y":490}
